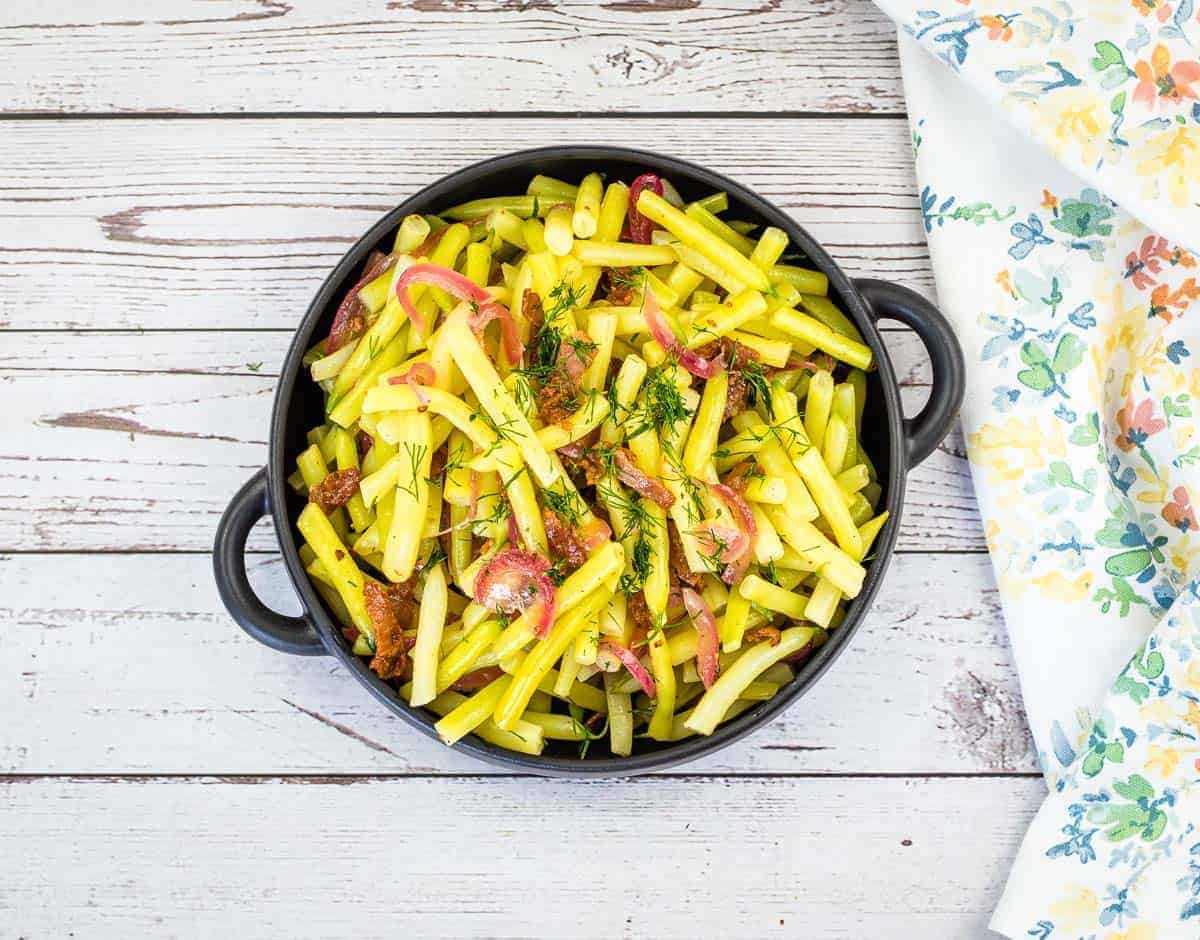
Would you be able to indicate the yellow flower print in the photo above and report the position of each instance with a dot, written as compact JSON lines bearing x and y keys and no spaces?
{"x":1057,"y":586}
{"x":1157,"y":710}
{"x":1172,"y":157}
{"x":1077,"y":910}
{"x":1142,"y":931}
{"x":1193,"y":674}
{"x":1161,"y":760}
{"x":1193,"y":716}
{"x":1012,"y":449}
{"x":1072,"y":121}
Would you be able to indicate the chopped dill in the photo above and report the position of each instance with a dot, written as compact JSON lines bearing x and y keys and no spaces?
{"x":663,"y":403}
{"x":634,"y":277}
{"x":565,"y":503}
{"x":416,"y":456}
{"x":753,"y":375}
{"x":769,"y":573}
{"x":436,"y":556}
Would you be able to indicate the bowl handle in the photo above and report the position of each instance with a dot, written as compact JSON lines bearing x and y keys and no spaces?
{"x":286,"y":634}
{"x":887,"y":301}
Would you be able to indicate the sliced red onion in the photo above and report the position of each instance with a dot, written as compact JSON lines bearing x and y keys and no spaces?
{"x":513,"y":347}
{"x":514,"y":533}
{"x":630,"y":661}
{"x":442,"y":278}
{"x":736,"y":567}
{"x":640,"y":227}
{"x":708,"y":644}
{"x":661,"y":330}
{"x":727,"y":542}
{"x":516,"y":581}
{"x":421,"y":373}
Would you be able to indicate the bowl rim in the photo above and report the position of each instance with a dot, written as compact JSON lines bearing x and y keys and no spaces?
{"x":666,"y":755}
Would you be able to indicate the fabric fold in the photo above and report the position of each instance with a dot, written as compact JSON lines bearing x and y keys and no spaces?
{"x":1058,"y":159}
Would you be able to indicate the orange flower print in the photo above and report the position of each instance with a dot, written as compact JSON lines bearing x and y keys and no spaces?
{"x":1137,"y":424}
{"x":1169,"y":304}
{"x":997,"y":26}
{"x":1004,"y":279}
{"x":1156,"y":7}
{"x":1049,"y":200}
{"x":1158,"y":80}
{"x":1179,"y":512}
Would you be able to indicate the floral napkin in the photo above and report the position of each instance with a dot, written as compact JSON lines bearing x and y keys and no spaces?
{"x":1058,"y":154}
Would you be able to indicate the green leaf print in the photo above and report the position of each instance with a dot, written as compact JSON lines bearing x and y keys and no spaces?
{"x":1151,"y":666}
{"x":1129,"y":563}
{"x":1088,"y":433}
{"x":1107,"y":54}
{"x":1069,"y":353}
{"x":1139,"y":817}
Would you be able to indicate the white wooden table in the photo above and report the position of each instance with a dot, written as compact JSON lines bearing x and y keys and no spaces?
{"x":177,"y":178}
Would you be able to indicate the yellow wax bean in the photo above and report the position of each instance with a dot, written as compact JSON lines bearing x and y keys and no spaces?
{"x":804,"y":280}
{"x":558,"y":234}
{"x":622,"y":254}
{"x":411,"y":235}
{"x":549,"y":188}
{"x":772,"y":597}
{"x":813,"y":331}
{"x":692,"y":233}
{"x":431,"y":621}
{"x":771,"y":244}
{"x":586,"y":217}
{"x":715,"y":703}
{"x":700,"y":214}
{"x":741,"y":308}
{"x":314,"y":525}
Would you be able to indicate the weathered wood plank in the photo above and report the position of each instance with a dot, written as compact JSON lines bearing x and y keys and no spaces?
{"x":880,"y":858}
{"x":429,"y":55}
{"x":138,"y":669}
{"x":234,"y":224}
{"x":147,"y":456}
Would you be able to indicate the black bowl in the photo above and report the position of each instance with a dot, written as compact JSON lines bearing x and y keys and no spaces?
{"x":895,"y":444}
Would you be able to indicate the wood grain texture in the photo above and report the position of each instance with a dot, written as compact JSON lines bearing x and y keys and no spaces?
{"x":138,"y":669}
{"x":128,"y":441}
{"x":510,"y":858}
{"x":158,"y":224}
{"x":409,"y":56}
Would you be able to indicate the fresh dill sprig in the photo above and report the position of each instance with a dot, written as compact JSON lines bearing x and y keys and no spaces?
{"x":634,"y":277}
{"x":565,"y":502}
{"x":662,"y":402}
{"x":416,"y":456}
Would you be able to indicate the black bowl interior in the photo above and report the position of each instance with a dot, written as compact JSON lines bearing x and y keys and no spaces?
{"x":299,"y":407}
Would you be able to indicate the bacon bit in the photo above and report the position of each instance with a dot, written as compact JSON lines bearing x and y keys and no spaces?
{"x":335,"y":490}
{"x":640,"y":227}
{"x":339,"y":554}
{"x":587,"y":463}
{"x":516,"y":581}
{"x":563,"y":540}
{"x":620,"y":294}
{"x":708,"y":644}
{"x":642,"y":619}
{"x":531,"y":310}
{"x":690,"y":359}
{"x":679,"y":565}
{"x":630,"y":661}
{"x":421,"y":373}
{"x":391,"y":649}
{"x":365,"y":442}
{"x":760,"y":634}
{"x":737,"y":397}
{"x":350,"y":321}
{"x":350,"y":633}
{"x":632,"y":476}
{"x":474,"y":681}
